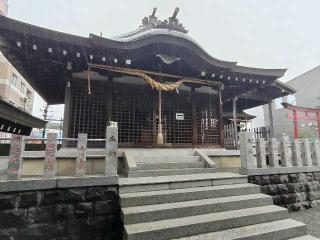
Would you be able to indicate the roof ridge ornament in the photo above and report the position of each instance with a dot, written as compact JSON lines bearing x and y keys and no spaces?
{"x":172,"y":23}
{"x":152,"y":21}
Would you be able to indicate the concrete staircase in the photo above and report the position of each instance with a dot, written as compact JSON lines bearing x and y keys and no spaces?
{"x":165,"y":163}
{"x":219,"y":206}
{"x":165,"y":166}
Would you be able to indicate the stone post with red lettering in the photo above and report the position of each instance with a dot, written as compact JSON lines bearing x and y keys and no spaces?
{"x":14,"y":171}
{"x":111,"y":161}
{"x":81,"y":155}
{"x":50,"y":156}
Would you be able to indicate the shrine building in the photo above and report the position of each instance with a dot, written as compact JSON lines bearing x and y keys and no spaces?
{"x":158,"y":83}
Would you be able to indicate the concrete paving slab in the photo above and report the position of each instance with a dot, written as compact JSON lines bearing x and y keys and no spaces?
{"x":311,"y":217}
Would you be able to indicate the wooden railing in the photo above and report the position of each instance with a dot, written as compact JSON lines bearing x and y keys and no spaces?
{"x":17,"y":145}
{"x":231,"y":141}
{"x":272,"y":156}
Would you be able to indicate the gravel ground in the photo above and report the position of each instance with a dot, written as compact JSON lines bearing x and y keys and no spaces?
{"x":311,"y":217}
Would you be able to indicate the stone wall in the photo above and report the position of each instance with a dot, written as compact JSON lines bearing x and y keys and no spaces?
{"x":295,"y":191}
{"x":72,"y":213}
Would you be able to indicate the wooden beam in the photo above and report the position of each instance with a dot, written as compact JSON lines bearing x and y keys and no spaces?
{"x":201,"y":81}
{"x":300,"y":109}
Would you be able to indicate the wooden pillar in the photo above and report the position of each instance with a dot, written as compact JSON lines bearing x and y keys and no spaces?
{"x":154,"y":114}
{"x":67,"y":113}
{"x":221,"y":117}
{"x":109,"y":91}
{"x":271,"y":120}
{"x":160,"y":134}
{"x":173,"y":99}
{"x":234,"y":107}
{"x":295,"y":124}
{"x":318,"y":121}
{"x":194,"y":116}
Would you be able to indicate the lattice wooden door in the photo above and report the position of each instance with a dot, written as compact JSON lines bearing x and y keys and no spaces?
{"x":88,"y":112}
{"x":207,"y":111}
{"x":132,"y":108}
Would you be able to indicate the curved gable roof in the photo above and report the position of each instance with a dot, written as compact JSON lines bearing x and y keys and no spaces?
{"x":136,"y":43}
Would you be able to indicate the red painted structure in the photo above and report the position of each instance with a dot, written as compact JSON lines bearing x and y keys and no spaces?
{"x":311,"y":114}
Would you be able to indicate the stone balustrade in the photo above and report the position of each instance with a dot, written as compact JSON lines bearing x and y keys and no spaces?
{"x":55,"y":206}
{"x":278,"y":156}
{"x":287,"y":170}
{"x":17,"y":143}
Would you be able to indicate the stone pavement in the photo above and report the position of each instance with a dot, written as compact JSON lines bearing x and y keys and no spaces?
{"x":311,"y":217}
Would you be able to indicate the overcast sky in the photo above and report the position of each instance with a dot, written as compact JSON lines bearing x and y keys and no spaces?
{"x":256,"y":33}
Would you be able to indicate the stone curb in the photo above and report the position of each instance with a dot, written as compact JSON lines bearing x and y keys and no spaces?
{"x":60,"y":182}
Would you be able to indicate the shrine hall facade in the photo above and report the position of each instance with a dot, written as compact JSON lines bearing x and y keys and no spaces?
{"x":157,"y":83}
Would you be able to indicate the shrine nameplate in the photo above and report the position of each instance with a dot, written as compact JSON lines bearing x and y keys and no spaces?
{"x":179,"y":116}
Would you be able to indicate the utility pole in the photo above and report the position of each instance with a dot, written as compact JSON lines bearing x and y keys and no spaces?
{"x":45,"y":117}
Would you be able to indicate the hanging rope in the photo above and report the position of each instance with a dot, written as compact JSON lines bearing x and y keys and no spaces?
{"x":138,"y":73}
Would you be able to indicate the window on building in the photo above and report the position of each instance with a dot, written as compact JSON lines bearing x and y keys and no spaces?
{"x":23,"y":87}
{"x":14,"y":79}
{"x":29,"y":94}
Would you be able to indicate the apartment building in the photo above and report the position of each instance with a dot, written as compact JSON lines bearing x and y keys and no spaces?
{"x":14,"y":89}
{"x":3,"y":7}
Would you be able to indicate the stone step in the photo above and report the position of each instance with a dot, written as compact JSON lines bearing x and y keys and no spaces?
{"x":169,"y":172}
{"x":305,"y":237}
{"x":186,"y":226}
{"x":170,"y":165}
{"x":179,"y":181}
{"x":275,"y":230}
{"x":165,"y":158}
{"x":186,"y":194}
{"x":157,"y":212}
